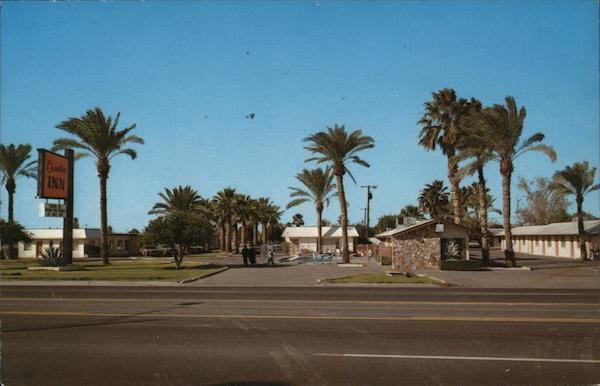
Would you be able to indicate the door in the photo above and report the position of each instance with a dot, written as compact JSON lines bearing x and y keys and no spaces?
{"x":38,"y":248}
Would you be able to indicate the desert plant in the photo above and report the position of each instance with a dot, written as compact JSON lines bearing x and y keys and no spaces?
{"x":51,"y":257}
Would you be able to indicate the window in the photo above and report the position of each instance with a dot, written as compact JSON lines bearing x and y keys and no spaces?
{"x":127,"y":244}
{"x":50,"y":243}
{"x":75,"y":245}
{"x":27,"y":247}
{"x":119,"y":244}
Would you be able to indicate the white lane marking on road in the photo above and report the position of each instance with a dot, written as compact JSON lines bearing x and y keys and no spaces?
{"x":466,"y":358}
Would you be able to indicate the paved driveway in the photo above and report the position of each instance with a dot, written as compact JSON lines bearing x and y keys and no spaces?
{"x":286,"y":274}
{"x":546,"y":272}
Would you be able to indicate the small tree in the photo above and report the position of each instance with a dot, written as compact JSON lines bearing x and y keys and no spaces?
{"x":180,"y":231}
{"x":11,"y":232}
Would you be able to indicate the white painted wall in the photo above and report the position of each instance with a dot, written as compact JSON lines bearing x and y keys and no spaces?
{"x":78,"y":246}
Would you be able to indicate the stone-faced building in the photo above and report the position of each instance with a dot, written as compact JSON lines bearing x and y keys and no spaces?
{"x":425,"y":244}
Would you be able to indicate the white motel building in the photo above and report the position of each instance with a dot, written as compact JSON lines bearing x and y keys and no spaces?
{"x":557,"y":239}
{"x":84,"y":239}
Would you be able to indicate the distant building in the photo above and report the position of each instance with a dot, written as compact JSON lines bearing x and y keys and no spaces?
{"x":305,"y":239}
{"x":424,"y":244}
{"x":86,"y":242}
{"x":557,"y":239}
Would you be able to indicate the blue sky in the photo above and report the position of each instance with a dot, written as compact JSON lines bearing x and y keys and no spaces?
{"x":187,"y":73}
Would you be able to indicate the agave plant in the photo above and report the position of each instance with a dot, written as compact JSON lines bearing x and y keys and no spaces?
{"x":51,"y":257}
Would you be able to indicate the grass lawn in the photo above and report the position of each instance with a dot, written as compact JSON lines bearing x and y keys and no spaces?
{"x":383,"y":278}
{"x":118,"y":270}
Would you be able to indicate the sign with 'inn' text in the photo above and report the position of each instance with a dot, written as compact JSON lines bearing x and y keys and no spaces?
{"x":53,"y":175}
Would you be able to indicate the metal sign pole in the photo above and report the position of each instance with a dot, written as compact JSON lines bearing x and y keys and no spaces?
{"x":68,"y":219}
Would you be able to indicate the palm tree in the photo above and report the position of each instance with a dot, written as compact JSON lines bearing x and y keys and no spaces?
{"x":441,"y":126}
{"x":319,"y":188}
{"x":576,"y":180}
{"x":176,"y":204}
{"x":225,"y":200}
{"x":434,"y":199}
{"x":411,"y":211}
{"x":503,"y":126}
{"x":268,"y":215}
{"x":180,"y":199}
{"x":338,"y":148}
{"x":98,"y":136}
{"x":472,"y":146}
{"x":13,"y":165}
{"x":243,"y":213}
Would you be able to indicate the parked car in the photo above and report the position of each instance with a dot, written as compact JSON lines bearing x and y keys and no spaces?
{"x":160,"y":250}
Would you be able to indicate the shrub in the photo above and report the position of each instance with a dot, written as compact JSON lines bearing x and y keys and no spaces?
{"x":51,"y":257}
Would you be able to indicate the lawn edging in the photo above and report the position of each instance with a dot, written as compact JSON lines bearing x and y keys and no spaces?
{"x":194,"y":278}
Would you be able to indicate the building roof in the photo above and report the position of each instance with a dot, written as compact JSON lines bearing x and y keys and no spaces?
{"x":57,"y":233}
{"x":591,"y":227}
{"x":418,"y":224}
{"x":327,"y":232}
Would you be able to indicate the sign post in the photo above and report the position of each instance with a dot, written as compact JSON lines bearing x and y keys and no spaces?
{"x":68,"y":220}
{"x":55,"y":180}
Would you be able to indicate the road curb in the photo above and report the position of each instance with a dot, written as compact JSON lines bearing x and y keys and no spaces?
{"x":510,"y":269}
{"x":192,"y":279}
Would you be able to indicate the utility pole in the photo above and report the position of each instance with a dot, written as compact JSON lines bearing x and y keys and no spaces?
{"x":364,"y":215}
{"x":369,"y":197}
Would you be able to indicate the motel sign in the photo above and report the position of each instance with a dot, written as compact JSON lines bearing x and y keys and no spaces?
{"x":55,"y":180}
{"x":53,"y":177}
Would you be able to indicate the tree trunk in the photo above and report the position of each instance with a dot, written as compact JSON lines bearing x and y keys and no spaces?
{"x":235,"y":238}
{"x":222,"y":237}
{"x":509,"y":253}
{"x":104,"y":250}
{"x":457,"y":203}
{"x":11,"y":188}
{"x":483,"y":219}
{"x":344,"y":214}
{"x":243,"y":235}
{"x":319,"y":230}
{"x":228,"y":235}
{"x":580,"y":227}
{"x":255,"y":233}
{"x":264,"y":233}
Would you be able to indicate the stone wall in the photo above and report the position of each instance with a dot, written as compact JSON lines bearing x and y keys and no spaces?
{"x":416,"y":250}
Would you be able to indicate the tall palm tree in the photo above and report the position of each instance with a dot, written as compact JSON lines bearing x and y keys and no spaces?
{"x":225,"y":200}
{"x":472,"y":146}
{"x":503,"y":126}
{"x":318,"y":189}
{"x":218,"y":217}
{"x":97,"y":135}
{"x":338,"y":148}
{"x":242,"y":213}
{"x":13,"y":165}
{"x":434,"y":199}
{"x":411,"y":211}
{"x":577,"y":180}
{"x":441,"y":126}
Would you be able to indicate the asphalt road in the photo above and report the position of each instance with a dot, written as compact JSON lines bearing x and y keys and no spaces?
{"x":280,"y":336}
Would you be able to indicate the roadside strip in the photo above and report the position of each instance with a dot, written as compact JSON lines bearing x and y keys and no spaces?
{"x":375,"y":302}
{"x":305,"y":317}
{"x":462,"y":358}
